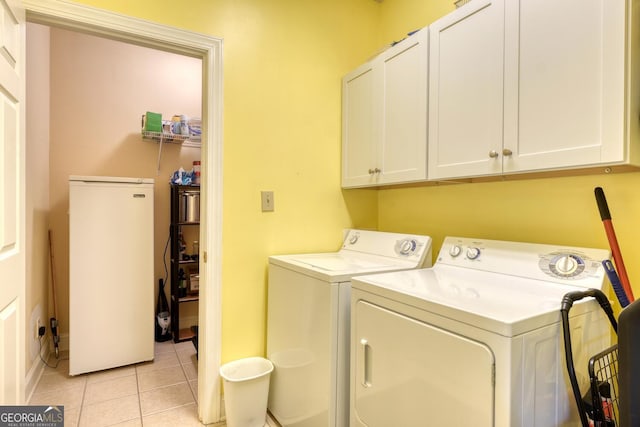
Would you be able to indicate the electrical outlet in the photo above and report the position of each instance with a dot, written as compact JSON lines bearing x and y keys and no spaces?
{"x":38,"y":325}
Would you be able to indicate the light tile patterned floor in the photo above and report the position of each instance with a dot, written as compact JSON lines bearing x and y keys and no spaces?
{"x":159,"y":393}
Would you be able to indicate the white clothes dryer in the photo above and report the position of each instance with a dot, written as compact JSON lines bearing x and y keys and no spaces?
{"x":308,"y":322}
{"x":476,"y":339}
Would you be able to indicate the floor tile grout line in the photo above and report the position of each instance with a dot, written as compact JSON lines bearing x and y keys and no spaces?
{"x":161,"y":386}
{"x":84,"y":393}
{"x":174,"y":350}
{"x":171,"y":409}
{"x":184,"y":372}
{"x":186,"y":377}
{"x":139,"y":397}
{"x":109,"y":399}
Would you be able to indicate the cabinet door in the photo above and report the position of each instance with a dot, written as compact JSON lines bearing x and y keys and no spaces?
{"x":466,"y":58}
{"x":403,"y":146}
{"x":359,"y":137}
{"x":564,"y":83}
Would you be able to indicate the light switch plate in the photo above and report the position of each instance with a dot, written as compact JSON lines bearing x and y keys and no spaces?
{"x":267,"y":201}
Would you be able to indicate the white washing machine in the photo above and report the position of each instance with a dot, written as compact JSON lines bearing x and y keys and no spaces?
{"x":308,"y":322}
{"x":476,"y":339}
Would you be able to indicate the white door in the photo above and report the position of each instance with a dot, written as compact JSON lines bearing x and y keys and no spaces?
{"x":466,"y":50}
{"x":408,"y":373}
{"x":12,"y":202}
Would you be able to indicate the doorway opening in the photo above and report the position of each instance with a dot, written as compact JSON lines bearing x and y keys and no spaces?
{"x":85,"y":19}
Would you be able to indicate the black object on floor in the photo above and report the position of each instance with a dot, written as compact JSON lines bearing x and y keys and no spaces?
{"x":163,"y":317}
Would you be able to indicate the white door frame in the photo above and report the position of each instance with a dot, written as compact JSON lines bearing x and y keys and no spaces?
{"x":60,"y":13}
{"x":12,"y":203}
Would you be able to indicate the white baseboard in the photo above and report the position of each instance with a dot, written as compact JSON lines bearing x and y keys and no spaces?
{"x":36,"y":371}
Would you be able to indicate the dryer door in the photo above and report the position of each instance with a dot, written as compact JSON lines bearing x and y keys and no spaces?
{"x":409,"y":373}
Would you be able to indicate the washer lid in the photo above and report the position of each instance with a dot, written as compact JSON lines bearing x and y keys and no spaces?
{"x":339,"y":266}
{"x":506,"y":305}
{"x":342,"y":262}
{"x":362,"y":252}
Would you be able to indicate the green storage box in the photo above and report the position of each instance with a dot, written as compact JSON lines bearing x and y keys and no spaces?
{"x":153,"y":122}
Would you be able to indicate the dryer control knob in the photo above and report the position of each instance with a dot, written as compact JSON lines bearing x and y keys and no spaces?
{"x":353,"y":238}
{"x":455,"y":250}
{"x":566,"y":264}
{"x":473,"y":252}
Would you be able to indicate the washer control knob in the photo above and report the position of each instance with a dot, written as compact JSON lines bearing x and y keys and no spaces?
{"x":473,"y":252}
{"x":407,"y":246}
{"x":353,"y":239}
{"x":455,"y":250}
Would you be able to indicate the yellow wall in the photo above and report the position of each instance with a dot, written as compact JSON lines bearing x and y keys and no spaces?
{"x":283,"y":61}
{"x":553,"y":210}
{"x":402,"y":16}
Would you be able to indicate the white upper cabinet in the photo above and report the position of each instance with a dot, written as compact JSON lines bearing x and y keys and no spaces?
{"x":359,"y":140}
{"x":564,"y":83}
{"x":527,"y":85}
{"x":384,"y":135}
{"x":466,"y":91}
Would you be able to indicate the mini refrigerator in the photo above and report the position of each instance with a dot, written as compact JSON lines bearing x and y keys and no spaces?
{"x":111,"y":274}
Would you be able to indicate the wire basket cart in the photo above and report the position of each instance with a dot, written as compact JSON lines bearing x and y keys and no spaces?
{"x":599,"y":406}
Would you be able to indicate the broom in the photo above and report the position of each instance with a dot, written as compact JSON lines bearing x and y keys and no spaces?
{"x":53,"y":322}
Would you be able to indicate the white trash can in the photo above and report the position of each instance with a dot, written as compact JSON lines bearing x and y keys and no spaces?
{"x":246,"y":390}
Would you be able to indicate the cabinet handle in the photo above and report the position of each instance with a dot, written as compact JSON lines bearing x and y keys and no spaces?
{"x":506,"y":152}
{"x":372,"y":171}
{"x":493,"y":154}
{"x":366,"y":365}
